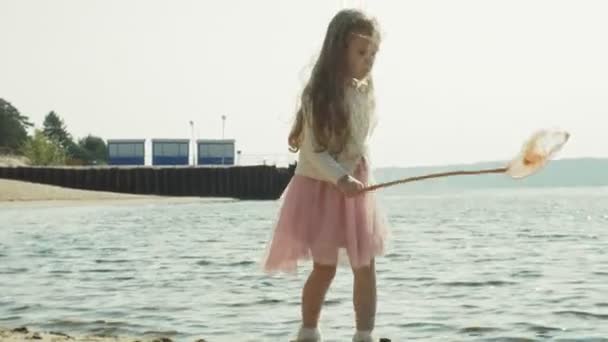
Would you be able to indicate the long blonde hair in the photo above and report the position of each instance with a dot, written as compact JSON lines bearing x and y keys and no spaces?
{"x":324,"y":92}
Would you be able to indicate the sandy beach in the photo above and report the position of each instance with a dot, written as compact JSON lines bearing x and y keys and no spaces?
{"x":18,"y":193}
{"x":11,"y":190}
{"x":24,"y":334}
{"x":10,"y":160}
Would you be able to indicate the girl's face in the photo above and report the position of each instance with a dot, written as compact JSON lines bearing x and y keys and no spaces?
{"x":360,"y":55}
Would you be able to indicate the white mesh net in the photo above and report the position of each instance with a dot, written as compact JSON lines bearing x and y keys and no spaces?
{"x":536,"y":152}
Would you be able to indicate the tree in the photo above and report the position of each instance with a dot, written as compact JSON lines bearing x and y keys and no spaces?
{"x":40,"y":150}
{"x":77,"y":155}
{"x":13,"y":127}
{"x":96,"y":148}
{"x":54,"y":128}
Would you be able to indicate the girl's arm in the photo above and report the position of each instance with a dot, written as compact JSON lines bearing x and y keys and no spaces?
{"x":323,"y":162}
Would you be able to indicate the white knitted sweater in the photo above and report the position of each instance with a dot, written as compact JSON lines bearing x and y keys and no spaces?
{"x":325,"y":166}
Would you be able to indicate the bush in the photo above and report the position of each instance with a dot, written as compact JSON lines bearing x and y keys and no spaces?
{"x":42,"y":151}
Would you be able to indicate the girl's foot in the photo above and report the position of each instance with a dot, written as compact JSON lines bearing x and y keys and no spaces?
{"x":308,"y":335}
{"x":363,"y":336}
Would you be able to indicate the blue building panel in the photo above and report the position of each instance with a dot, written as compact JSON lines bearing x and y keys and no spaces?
{"x":170,"y":152}
{"x":215,"y":152}
{"x":215,"y":161}
{"x":126,"y":152}
{"x":126,"y":161}
{"x":165,"y":160}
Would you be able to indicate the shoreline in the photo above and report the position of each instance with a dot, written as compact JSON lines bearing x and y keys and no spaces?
{"x":18,"y":193}
{"x":22,"y":333}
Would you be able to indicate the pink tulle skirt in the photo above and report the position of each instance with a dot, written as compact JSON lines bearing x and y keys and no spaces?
{"x":316,"y":221}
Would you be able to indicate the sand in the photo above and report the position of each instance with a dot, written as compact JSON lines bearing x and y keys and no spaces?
{"x":10,"y":160}
{"x":23,"y":334}
{"x":11,"y":190}
{"x":18,"y":193}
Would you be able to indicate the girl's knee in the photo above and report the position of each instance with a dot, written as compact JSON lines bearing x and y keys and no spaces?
{"x":326,"y":272}
{"x":365,"y":271}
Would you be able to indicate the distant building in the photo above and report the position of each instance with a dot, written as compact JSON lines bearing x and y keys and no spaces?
{"x":170,"y":151}
{"x":126,"y":152}
{"x":215,"y":152}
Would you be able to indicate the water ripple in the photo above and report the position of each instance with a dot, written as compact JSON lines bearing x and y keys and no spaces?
{"x":116,"y":261}
{"x":426,"y":326}
{"x":15,"y":270}
{"x":478,"y":330}
{"x":492,"y":283}
{"x":582,"y":314}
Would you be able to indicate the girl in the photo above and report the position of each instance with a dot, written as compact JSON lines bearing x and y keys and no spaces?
{"x":324,"y":211}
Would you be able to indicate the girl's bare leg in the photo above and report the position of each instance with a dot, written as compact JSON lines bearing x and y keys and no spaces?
{"x":313,"y":293}
{"x":364,"y":297}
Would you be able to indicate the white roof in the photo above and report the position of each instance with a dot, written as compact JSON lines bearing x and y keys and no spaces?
{"x":171,"y":140}
{"x":215,"y":141}
{"x":126,"y":141}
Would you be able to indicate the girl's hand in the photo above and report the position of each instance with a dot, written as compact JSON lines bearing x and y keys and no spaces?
{"x":350,"y":186}
{"x":294,"y":142}
{"x":292,"y":139}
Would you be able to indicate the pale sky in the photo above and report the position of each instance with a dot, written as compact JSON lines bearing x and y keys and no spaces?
{"x":456,"y":81}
